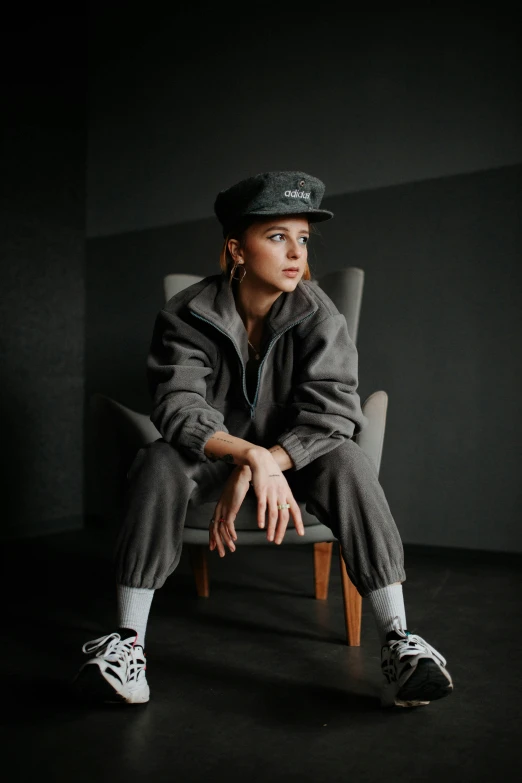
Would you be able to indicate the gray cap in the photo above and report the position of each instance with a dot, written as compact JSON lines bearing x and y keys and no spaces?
{"x":271,"y":193}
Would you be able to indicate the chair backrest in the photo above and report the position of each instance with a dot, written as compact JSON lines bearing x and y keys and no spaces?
{"x":344,"y":287}
{"x":174,"y":283}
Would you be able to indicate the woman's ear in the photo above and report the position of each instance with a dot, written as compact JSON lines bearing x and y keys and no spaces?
{"x":233,"y":249}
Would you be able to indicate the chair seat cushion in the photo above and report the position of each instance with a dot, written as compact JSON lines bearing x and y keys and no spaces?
{"x":314,"y":534}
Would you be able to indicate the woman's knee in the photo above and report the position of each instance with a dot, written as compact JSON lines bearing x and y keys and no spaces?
{"x":158,"y":457}
{"x":346,"y":459}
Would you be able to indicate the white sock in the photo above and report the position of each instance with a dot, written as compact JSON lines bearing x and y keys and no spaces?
{"x":133,"y":609}
{"x":387,"y":603}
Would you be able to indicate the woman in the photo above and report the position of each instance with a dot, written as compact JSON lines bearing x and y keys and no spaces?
{"x":253,"y":378}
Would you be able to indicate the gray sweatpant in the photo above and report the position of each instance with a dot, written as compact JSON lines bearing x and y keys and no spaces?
{"x":341,"y":489}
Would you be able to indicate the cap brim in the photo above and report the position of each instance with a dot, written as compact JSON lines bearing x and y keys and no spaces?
{"x":313,"y":215}
{"x":319,"y":215}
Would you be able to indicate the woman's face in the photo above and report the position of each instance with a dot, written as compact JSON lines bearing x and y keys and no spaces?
{"x":271,"y":246}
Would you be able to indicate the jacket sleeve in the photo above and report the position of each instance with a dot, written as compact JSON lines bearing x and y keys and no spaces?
{"x":177,"y":365}
{"x":325,"y":405}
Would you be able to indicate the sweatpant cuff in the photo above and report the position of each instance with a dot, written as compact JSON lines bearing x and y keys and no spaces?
{"x":370,"y":584}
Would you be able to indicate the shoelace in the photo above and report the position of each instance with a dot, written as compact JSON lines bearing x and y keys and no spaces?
{"x":411,"y":644}
{"x":110,"y":647}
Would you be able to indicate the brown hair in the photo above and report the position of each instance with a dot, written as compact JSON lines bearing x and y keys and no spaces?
{"x":226,"y":262}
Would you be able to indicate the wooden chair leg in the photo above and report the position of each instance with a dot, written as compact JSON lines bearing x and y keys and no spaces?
{"x":352,"y":606}
{"x":322,"y":562}
{"x":199,"y":565}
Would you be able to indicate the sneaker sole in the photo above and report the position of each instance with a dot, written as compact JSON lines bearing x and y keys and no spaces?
{"x":91,"y":686}
{"x":427,"y":683}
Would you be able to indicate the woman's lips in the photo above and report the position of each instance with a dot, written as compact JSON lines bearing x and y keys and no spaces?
{"x":291,"y":272}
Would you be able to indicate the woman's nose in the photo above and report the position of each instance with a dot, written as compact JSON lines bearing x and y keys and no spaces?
{"x":295,"y":250}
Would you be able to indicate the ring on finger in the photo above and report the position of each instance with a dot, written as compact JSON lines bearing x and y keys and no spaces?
{"x":283,"y":505}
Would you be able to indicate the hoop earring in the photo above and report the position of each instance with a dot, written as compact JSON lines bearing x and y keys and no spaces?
{"x":232,"y":276}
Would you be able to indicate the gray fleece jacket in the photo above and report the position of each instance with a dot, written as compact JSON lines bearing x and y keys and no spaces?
{"x":306,"y":398}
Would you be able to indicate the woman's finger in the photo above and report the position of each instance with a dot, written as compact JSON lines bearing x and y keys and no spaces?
{"x":273,"y":516}
{"x":212,"y":543}
{"x":226,"y":536}
{"x":222,"y":542}
{"x":282,"y":522}
{"x":261,"y":510}
{"x":297,"y":516}
{"x":281,"y":528}
{"x":232,"y":532}
{"x":216,"y":536}
{"x":219,"y":544}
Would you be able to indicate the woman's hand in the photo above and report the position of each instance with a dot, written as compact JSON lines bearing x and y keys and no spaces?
{"x":221,"y":533}
{"x":272,"y":489}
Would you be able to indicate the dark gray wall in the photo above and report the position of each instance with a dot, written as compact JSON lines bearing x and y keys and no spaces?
{"x":439,"y":331}
{"x":184,"y":103}
{"x":413,"y":120}
{"x":42,"y":251}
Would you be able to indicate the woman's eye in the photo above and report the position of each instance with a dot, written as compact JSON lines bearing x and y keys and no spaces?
{"x":281,"y":237}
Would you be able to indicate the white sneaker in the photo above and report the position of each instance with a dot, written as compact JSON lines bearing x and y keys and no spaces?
{"x":415,"y":672}
{"x":116,"y":673}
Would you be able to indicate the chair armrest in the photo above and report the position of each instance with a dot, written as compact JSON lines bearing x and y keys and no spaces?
{"x":117,"y":433}
{"x":371,"y":438}
{"x":136,"y":429}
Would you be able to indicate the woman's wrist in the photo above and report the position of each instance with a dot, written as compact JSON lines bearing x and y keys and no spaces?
{"x":255,"y":455}
{"x":244,"y":471}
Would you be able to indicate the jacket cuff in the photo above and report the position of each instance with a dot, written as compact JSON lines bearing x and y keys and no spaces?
{"x":196,"y":439}
{"x":291,"y":443}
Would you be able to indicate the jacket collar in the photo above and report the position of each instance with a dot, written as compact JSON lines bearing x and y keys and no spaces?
{"x":216,"y":303}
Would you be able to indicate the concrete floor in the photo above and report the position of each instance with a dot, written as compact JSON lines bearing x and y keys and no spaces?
{"x":256,"y":683}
